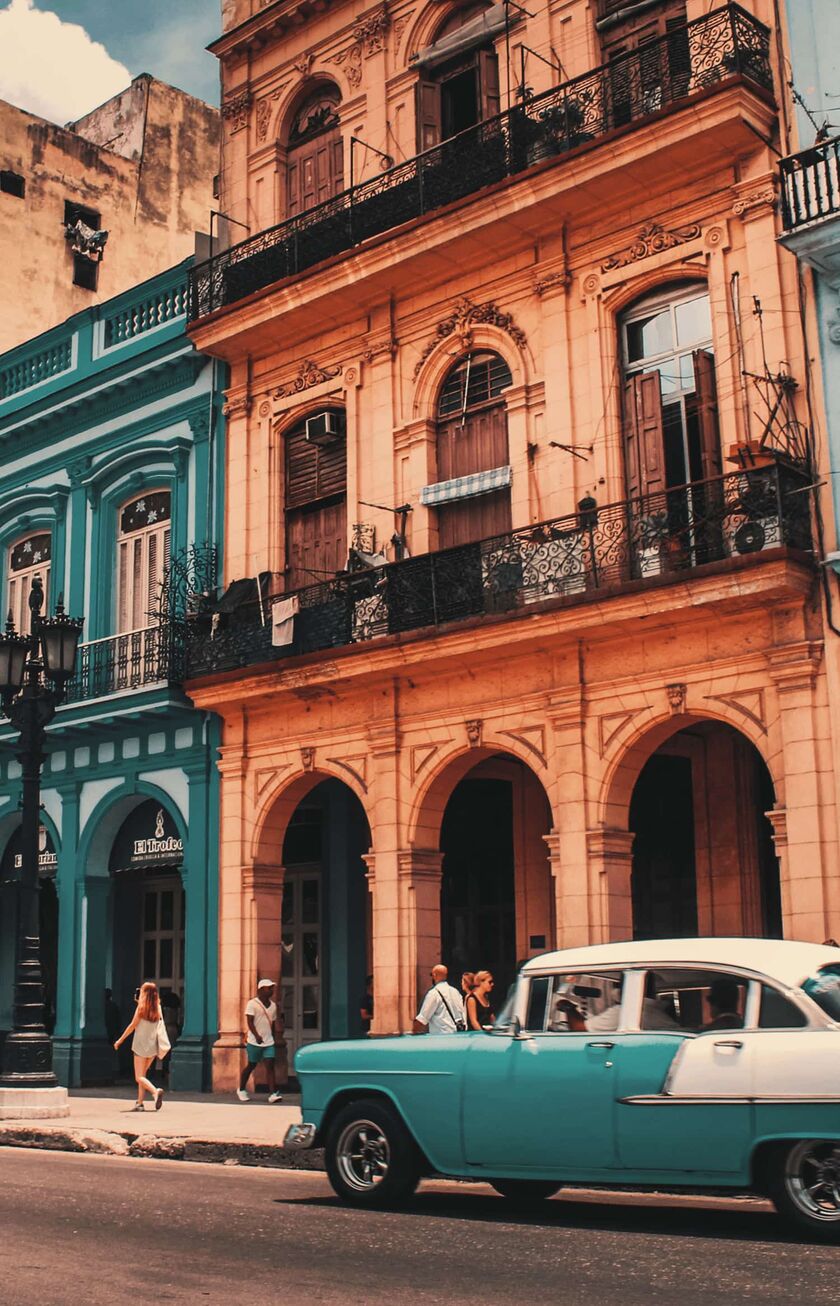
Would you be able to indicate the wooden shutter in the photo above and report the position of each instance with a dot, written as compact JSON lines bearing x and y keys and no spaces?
{"x":707,"y":412}
{"x":314,"y":172}
{"x":427,"y":99}
{"x":644,"y":451}
{"x":478,"y":445}
{"x":488,"y":80}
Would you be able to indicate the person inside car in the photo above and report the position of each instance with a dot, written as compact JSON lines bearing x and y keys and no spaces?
{"x":654,"y":1014}
{"x":722,"y":999}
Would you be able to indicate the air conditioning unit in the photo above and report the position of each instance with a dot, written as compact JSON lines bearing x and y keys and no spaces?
{"x":324,"y":428}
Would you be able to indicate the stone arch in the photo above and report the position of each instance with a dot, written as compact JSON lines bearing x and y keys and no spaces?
{"x":10,"y":822}
{"x":425,"y":26}
{"x":631,"y":751}
{"x":278,"y":806}
{"x":622,"y":297}
{"x":317,"y":80}
{"x":432,"y":795}
{"x":108,"y":815}
{"x":449,"y":348}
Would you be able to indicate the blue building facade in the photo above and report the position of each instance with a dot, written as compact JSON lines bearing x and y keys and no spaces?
{"x":810,"y":190}
{"x":112,"y":445}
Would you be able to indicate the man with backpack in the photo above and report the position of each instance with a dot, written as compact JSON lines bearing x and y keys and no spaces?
{"x":442,"y":1009}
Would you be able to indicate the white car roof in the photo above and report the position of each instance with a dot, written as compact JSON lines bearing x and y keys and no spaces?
{"x":784,"y":960}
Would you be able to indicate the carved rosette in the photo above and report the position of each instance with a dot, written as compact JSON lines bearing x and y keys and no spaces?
{"x":652,"y":239}
{"x":308,"y":375}
{"x":754,"y":203}
{"x":235,"y":110}
{"x":466,"y":315}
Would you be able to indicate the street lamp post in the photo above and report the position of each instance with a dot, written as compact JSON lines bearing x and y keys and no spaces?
{"x":34,"y":671}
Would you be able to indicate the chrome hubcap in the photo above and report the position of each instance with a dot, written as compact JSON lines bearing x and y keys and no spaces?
{"x":812,"y":1179}
{"x":363,"y":1155}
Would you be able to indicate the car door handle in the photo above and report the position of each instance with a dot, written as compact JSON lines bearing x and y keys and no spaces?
{"x":600,"y":1045}
{"x":728,"y":1043}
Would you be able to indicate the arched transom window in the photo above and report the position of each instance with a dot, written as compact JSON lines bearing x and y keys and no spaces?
{"x":143,"y":547}
{"x":29,"y":561}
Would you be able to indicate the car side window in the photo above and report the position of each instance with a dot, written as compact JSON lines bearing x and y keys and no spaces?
{"x":693,"y":1001}
{"x":581,"y":1002}
{"x":537,"y":999}
{"x":778,"y":1012}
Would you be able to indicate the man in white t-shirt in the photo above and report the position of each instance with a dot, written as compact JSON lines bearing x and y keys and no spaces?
{"x":442,"y":1009}
{"x":260,"y":1013}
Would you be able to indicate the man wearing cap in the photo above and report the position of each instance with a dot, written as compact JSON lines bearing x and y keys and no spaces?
{"x":260,"y":1013}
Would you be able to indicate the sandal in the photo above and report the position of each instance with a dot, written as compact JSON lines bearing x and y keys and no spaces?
{"x":158,"y":1099}
{"x":138,"y":1106}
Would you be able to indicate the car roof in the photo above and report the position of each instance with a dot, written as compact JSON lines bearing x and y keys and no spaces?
{"x":785,"y":960}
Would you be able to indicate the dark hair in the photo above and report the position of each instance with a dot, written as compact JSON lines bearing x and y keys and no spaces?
{"x":724,"y":994}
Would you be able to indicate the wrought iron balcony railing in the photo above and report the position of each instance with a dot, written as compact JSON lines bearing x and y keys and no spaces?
{"x":596,"y":550}
{"x":135,"y":660}
{"x":811,"y":185}
{"x":703,"y":54}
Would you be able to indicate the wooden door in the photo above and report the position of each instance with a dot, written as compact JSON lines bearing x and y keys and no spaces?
{"x":428,"y":109}
{"x":475,"y":443}
{"x":707,"y":412}
{"x":488,"y":83}
{"x":644,"y":453}
{"x":315,"y":172}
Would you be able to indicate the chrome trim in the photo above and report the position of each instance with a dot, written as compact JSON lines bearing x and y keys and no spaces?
{"x":367,"y":1071}
{"x":664,"y":1099}
{"x":299,"y":1137}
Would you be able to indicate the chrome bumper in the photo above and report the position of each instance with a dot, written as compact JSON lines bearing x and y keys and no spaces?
{"x":299,"y":1137}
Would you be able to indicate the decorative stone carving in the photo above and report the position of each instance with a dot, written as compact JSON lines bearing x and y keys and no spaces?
{"x":752,"y":203}
{"x":263,"y":118}
{"x":714,"y":237}
{"x":199,"y":420}
{"x":237,"y":406}
{"x":369,"y":31}
{"x":676,"y":698}
{"x":308,"y":375}
{"x":77,"y":471}
{"x":474,"y":729}
{"x":466,"y":315}
{"x":591,"y":284}
{"x":265,"y":408}
{"x":303,"y":63}
{"x":399,"y":27}
{"x":550,"y":280}
{"x":652,"y":239}
{"x":307,"y":759}
{"x":351,"y":61}
{"x":235,"y":110}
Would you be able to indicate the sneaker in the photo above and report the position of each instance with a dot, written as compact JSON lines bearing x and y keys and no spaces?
{"x":275,"y":1097}
{"x":242,"y":1095}
{"x":138,"y":1106}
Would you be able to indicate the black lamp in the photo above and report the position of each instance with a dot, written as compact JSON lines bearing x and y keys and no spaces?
{"x":59,"y":637}
{"x":14,"y":650}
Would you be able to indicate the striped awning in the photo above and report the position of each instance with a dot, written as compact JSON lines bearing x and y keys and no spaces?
{"x":465,"y":487}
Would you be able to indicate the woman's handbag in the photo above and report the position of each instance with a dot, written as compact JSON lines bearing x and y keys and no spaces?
{"x":163,"y":1044}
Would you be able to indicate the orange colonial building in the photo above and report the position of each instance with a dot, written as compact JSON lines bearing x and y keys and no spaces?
{"x":520,"y":464}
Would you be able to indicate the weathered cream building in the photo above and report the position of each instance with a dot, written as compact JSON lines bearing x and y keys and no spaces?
{"x":90,"y":209}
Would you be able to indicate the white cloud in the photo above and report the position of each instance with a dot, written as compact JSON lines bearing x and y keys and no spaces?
{"x":52,"y":68}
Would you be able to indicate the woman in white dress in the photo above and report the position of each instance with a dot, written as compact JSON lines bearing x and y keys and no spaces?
{"x":150,"y":1041}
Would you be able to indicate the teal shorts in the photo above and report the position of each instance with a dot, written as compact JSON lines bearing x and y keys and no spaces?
{"x":258,"y":1052}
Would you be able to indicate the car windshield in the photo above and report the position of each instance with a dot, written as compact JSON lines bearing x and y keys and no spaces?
{"x":824,"y":988}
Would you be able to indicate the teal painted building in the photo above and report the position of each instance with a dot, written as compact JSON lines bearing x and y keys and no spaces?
{"x":111,"y":434}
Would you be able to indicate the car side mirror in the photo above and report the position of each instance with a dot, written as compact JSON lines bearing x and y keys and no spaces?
{"x":515,"y":1027}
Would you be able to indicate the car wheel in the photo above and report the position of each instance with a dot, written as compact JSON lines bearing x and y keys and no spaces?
{"x":371,"y":1158}
{"x":805,"y":1187}
{"x":526,"y":1191}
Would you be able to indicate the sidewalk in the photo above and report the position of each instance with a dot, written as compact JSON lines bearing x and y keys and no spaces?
{"x":189,"y":1126}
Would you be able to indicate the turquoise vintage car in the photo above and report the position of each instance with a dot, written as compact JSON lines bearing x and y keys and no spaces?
{"x":688,"y":1063}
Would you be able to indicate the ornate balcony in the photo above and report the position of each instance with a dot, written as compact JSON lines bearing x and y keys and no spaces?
{"x":706,"y":54}
{"x":655,"y":537}
{"x":132,"y":661}
{"x":810,"y":184}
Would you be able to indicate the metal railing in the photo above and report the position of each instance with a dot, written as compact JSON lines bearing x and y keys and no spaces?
{"x":701,"y":55}
{"x":599,"y":549}
{"x":133,"y":660}
{"x":811,"y":185}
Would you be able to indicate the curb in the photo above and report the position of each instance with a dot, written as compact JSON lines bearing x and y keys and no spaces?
{"x":159,"y":1147}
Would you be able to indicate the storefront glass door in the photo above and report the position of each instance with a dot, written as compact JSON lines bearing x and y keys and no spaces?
{"x":301,"y":978}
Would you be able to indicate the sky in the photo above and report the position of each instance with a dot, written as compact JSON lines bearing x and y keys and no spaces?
{"x":61,"y":58}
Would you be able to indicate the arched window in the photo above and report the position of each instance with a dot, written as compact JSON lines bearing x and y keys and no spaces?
{"x":472,"y":438}
{"x":459,"y":73}
{"x":143,"y":545}
{"x":28,"y":563}
{"x":316,"y":499}
{"x":315,"y":165}
{"x":670,"y":405}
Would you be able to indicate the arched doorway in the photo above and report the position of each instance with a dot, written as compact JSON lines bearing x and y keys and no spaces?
{"x":325,"y":917}
{"x":459,"y":83}
{"x":496,"y":900}
{"x":148,"y":912}
{"x":315,"y":162}
{"x":703,"y":855}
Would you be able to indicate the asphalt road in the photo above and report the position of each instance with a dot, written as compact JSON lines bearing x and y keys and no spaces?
{"x":97,"y":1230}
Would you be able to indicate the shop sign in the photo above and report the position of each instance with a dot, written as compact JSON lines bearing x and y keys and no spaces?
{"x":159,"y":847}
{"x":13,"y":857}
{"x":148,"y":839}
